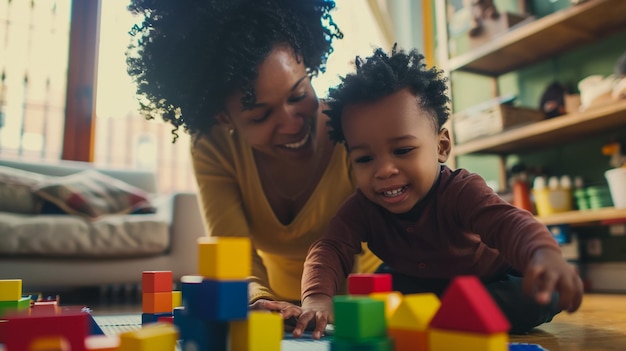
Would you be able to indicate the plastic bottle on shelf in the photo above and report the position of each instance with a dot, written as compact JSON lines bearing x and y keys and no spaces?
{"x":521,"y":193}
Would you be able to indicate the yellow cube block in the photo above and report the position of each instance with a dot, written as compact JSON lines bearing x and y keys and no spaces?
{"x":449,"y":340}
{"x":415,"y":311}
{"x":177,"y":298}
{"x":224,"y":258}
{"x":260,"y":332}
{"x":392,"y":300}
{"x":10,"y":289}
{"x":151,"y":337}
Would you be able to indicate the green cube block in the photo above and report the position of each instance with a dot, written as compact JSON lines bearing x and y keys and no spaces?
{"x":10,"y":306}
{"x":359,"y":318}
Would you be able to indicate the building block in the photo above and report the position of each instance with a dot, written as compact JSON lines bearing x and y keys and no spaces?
{"x":51,"y":306}
{"x":445,"y":340}
{"x":17,"y":305}
{"x":10,"y":289}
{"x":156,"y":281}
{"x":359,"y":317}
{"x":147,"y":318}
{"x":221,"y":300}
{"x":467,"y":306}
{"x":374,"y":344}
{"x":102,"y":343}
{"x":415,"y":311}
{"x":261,"y":331}
{"x":3,"y":330}
{"x":151,"y":337}
{"x":366,"y":283}
{"x":197,"y":334}
{"x":224,"y":257}
{"x":392,"y":300}
{"x":49,"y":343}
{"x":23,"y":330}
{"x":159,"y":302}
{"x":177,"y":298}
{"x":166,"y":319}
{"x":409,"y":339}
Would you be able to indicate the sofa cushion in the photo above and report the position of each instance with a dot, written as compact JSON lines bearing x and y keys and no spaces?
{"x":92,"y":194}
{"x":16,"y":193}
{"x":76,"y":236}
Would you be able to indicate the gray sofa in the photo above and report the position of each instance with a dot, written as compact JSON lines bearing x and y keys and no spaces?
{"x":63,"y":250}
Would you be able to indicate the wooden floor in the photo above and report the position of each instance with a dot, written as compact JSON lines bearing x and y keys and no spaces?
{"x":599,"y":325}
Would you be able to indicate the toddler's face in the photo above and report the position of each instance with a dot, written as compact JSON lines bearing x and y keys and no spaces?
{"x":394,"y":149}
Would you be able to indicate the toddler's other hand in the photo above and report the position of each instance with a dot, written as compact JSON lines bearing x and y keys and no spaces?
{"x":317,"y":309}
{"x":548,"y":272}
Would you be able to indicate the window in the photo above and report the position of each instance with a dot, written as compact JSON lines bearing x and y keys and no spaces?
{"x":34,"y":41}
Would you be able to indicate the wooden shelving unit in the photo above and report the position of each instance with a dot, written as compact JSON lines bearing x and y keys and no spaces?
{"x":531,"y":43}
{"x":549,"y":132}
{"x":563,"y":31}
{"x":584,"y":217}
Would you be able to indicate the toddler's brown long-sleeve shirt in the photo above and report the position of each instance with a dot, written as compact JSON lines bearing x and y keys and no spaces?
{"x":461,"y":227}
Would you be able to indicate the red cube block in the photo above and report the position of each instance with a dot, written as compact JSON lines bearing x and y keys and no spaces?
{"x":366,"y":283}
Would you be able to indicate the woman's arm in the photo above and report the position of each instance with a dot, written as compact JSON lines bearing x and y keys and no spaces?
{"x":221,"y":203}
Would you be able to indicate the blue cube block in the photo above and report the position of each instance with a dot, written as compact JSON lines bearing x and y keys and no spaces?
{"x":215,"y":300}
{"x":197,"y":334}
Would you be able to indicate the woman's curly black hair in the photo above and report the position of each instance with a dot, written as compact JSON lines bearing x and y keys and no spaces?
{"x":381,"y":75}
{"x":188,"y":56}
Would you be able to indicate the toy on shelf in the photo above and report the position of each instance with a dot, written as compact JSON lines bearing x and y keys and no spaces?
{"x":614,"y":149}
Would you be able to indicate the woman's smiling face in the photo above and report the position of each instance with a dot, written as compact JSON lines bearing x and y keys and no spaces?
{"x":395,"y":149}
{"x":282,"y":121}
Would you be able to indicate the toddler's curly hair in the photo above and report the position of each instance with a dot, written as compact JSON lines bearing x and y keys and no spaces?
{"x":188,"y":56}
{"x":381,"y":75}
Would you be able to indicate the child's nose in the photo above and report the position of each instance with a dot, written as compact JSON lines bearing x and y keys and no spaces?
{"x":385,"y":169}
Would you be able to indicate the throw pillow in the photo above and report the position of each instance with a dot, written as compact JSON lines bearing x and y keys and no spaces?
{"x":16,"y":193}
{"x":93,"y":194}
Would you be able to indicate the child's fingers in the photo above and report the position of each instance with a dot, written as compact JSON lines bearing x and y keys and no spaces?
{"x":540,"y":283}
{"x":321,"y":321}
{"x":531,"y":277}
{"x":570,"y":293}
{"x":302,"y":323}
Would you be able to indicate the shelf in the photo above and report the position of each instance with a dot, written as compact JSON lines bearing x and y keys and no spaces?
{"x":550,"y":132}
{"x":584,"y":217}
{"x":546,"y":37}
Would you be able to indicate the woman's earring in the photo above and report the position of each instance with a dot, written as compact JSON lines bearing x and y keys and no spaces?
{"x":231,"y":131}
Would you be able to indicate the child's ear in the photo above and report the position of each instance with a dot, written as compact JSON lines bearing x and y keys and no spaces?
{"x":444,"y":145}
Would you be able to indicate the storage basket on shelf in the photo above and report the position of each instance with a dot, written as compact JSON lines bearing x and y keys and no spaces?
{"x":491,"y":117}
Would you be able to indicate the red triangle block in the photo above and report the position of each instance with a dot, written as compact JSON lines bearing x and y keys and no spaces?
{"x":467,"y":306}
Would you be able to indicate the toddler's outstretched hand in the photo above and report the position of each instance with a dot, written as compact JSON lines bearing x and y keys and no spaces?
{"x":317,"y":309}
{"x":548,"y":272}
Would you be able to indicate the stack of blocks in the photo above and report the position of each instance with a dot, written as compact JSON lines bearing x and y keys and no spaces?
{"x":10,"y":300}
{"x":157,"y":297}
{"x":466,"y":318}
{"x":215,"y":313}
{"x":44,"y":326}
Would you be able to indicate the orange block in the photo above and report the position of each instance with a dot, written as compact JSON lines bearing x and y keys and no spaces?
{"x":158,"y":302}
{"x":102,"y":343}
{"x":408,"y":339}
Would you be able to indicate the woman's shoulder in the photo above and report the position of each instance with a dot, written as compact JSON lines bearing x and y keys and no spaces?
{"x":218,"y":146}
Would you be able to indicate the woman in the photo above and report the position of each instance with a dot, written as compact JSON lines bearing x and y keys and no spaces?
{"x":237,"y":76}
